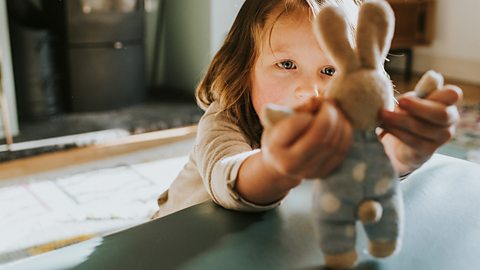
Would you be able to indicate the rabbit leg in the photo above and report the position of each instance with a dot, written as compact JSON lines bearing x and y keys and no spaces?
{"x":384,"y":236}
{"x":334,"y":221}
{"x":337,"y":242}
{"x":341,"y":261}
{"x":336,"y":233}
{"x":382,"y":248}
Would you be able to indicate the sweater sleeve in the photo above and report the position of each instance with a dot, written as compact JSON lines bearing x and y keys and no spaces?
{"x":220,"y":149}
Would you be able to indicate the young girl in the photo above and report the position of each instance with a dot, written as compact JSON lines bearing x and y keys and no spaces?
{"x":271,"y":56}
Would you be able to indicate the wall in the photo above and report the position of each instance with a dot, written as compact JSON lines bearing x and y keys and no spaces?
{"x":187,"y":42}
{"x":456,"y":48}
{"x":193,"y":32}
{"x":6,"y":66}
{"x":196,"y":28}
{"x":151,"y":13}
{"x":224,"y":14}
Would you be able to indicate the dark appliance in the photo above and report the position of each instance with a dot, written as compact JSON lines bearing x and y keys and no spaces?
{"x":104,"y":47}
{"x":37,"y":75}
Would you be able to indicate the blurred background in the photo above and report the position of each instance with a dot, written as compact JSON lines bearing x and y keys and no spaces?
{"x":81,"y":72}
{"x":436,"y":34}
{"x":72,"y":67}
{"x":80,"y":66}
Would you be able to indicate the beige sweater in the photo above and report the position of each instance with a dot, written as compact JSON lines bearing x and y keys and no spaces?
{"x":219,"y":151}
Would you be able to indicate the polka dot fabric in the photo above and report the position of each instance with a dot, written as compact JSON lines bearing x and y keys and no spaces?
{"x":366,"y":174}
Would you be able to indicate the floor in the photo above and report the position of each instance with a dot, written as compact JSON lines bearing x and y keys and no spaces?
{"x":50,"y":210}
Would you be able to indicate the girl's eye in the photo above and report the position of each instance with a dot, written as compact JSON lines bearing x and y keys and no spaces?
{"x":287,"y":65}
{"x":329,"y":71}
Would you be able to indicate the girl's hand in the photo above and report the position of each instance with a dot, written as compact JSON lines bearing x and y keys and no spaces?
{"x":418,"y":127}
{"x":308,"y":144}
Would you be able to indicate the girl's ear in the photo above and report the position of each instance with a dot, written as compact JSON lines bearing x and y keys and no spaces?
{"x":376,"y":24}
{"x":331,"y":31}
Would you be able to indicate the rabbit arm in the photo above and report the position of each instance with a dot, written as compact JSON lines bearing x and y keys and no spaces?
{"x":429,"y":82}
{"x":332,"y":33}
{"x":272,"y":113}
{"x":374,"y":33}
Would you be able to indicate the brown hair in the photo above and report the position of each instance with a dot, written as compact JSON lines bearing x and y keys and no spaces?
{"x":227,"y":80}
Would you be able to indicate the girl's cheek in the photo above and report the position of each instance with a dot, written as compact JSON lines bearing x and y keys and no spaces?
{"x":265,"y":96}
{"x":269,"y":87}
{"x":274,"y":94}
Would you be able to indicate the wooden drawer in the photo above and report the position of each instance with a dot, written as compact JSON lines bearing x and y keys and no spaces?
{"x":414,"y":22}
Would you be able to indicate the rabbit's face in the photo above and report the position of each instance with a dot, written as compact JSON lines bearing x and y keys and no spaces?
{"x":361,"y":94}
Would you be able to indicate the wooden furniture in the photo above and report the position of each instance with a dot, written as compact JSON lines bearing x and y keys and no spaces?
{"x":441,"y":232}
{"x":413,"y":27}
{"x":91,"y":153}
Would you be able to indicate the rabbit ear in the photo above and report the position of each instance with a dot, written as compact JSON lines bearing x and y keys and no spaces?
{"x":272,"y":114}
{"x":331,"y":31}
{"x":429,"y":82}
{"x":376,"y":24}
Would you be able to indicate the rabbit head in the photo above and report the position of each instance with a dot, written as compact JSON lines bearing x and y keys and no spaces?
{"x":360,"y":86}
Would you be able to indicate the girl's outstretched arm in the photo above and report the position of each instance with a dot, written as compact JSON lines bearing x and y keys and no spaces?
{"x":304,"y":145}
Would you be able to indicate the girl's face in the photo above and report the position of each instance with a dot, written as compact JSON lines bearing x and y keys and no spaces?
{"x":290,"y":66}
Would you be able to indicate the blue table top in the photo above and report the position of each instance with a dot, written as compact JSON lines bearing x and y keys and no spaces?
{"x":442,"y":231}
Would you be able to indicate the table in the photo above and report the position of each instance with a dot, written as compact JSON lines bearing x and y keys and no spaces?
{"x":442,"y":231}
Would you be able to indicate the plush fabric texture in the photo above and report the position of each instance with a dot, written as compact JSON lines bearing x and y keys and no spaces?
{"x":430,"y":81}
{"x":365,"y":174}
{"x":360,"y":85}
{"x":365,"y":186}
{"x":366,"y":179}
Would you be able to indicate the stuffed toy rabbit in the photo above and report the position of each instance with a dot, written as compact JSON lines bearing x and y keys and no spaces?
{"x":365,"y":186}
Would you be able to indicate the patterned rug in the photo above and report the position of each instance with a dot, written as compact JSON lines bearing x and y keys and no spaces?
{"x":466,"y":142}
{"x":47,"y":212}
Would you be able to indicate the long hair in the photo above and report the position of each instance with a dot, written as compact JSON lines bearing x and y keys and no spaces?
{"x":228,"y":78}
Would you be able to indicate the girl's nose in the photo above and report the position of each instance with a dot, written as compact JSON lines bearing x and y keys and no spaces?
{"x":304,"y":92}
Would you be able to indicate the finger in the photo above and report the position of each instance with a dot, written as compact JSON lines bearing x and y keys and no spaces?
{"x":420,"y":146}
{"x":448,"y":95}
{"x":430,"y":111}
{"x":288,"y":130}
{"x":342,"y":149}
{"x":416,"y":127}
{"x":330,"y":154}
{"x":327,"y":122}
{"x":321,"y":131}
{"x":325,"y":159}
{"x":314,"y":166}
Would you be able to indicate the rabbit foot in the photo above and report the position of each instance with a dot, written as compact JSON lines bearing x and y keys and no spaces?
{"x":382,"y":248}
{"x":345,"y":260}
